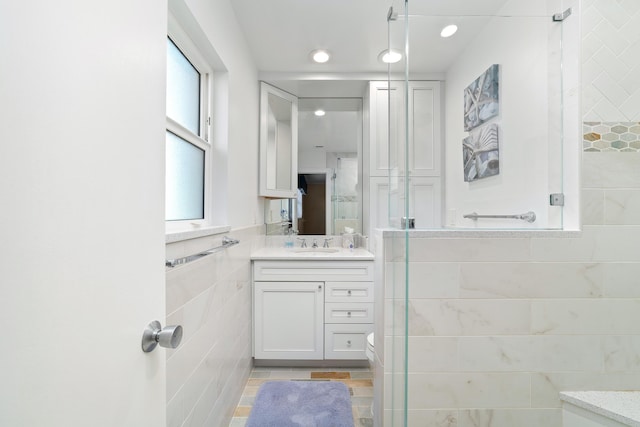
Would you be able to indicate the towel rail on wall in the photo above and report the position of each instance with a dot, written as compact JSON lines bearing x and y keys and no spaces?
{"x":527,"y":216}
{"x":226,"y":243}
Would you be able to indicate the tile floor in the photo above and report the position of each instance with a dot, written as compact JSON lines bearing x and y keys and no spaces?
{"x":359,"y":381}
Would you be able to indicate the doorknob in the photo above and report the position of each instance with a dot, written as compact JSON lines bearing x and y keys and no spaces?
{"x":154,"y":334}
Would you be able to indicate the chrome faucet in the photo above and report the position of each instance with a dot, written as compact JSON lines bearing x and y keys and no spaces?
{"x":326,"y":242}
{"x":304,"y":242}
{"x":315,"y":243}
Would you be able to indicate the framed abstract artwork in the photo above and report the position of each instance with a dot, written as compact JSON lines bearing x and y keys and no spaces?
{"x":481,"y":154}
{"x":482,"y":98}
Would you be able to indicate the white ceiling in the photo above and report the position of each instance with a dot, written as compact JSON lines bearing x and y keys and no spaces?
{"x":282,"y":33}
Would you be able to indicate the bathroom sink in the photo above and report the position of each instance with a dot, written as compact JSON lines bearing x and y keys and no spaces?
{"x":317,"y":250}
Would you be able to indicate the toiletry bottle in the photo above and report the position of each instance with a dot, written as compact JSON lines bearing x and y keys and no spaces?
{"x":288,"y":240}
{"x":348,"y":241}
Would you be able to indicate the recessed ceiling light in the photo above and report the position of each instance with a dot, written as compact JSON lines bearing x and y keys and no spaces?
{"x":320,"y":56}
{"x":449,"y":30}
{"x":390,"y":56}
{"x":319,"y":113}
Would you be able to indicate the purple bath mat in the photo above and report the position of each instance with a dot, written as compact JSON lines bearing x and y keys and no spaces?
{"x":301,"y":404}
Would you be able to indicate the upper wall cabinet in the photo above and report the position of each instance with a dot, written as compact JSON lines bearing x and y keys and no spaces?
{"x":278,"y":143}
{"x":390,"y":137}
{"x":387,"y":127}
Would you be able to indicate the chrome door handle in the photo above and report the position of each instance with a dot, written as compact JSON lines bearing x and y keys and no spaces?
{"x":154,"y":334}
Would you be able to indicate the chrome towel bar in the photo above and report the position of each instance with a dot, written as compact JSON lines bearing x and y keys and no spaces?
{"x":527,"y":216}
{"x":226,"y":243}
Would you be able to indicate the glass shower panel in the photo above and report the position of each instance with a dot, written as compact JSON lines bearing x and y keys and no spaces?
{"x":503,"y":129}
{"x":397,"y":105}
{"x":344,"y":198}
{"x":500,"y":112}
{"x":503,"y":122}
{"x":396,"y":332}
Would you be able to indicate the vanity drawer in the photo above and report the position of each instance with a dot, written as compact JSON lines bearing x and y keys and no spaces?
{"x":316,"y":271}
{"x":348,"y":292}
{"x":342,"y":312}
{"x":346,"y":341}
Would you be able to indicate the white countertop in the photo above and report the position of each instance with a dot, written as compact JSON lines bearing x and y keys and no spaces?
{"x":621,"y":406}
{"x":293,"y":254}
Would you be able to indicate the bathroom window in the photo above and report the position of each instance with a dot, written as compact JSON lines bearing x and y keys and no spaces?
{"x":188,"y":150}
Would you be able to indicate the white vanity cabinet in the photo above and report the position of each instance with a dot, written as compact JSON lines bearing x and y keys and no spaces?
{"x":312,"y":310}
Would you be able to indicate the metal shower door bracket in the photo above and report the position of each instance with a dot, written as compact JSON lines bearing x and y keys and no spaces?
{"x":391,"y":15}
{"x":559,"y":17}
{"x":556,"y":199}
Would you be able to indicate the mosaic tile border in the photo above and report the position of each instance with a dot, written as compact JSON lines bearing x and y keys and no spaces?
{"x":611,"y":136}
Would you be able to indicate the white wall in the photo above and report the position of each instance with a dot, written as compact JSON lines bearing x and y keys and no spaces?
{"x":529,"y":109}
{"x":217,"y":20}
{"x":309,"y":159}
{"x":211,"y":297}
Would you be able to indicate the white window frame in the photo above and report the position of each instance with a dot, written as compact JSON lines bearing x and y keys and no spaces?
{"x":189,"y":49}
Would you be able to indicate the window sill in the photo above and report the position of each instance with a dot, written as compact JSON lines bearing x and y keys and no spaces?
{"x":178,"y":236}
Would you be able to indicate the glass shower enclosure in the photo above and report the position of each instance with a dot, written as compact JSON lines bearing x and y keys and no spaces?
{"x":481,"y":147}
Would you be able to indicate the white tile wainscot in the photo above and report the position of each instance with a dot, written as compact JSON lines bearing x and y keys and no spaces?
{"x":601,"y":408}
{"x":500,"y":322}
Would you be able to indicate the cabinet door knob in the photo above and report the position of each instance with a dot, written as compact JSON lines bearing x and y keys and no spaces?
{"x":319,"y":287}
{"x":348,"y":313}
{"x":349,"y":343}
{"x":349,"y":292}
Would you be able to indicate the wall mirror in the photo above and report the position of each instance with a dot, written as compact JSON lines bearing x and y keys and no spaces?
{"x":329,"y":170}
{"x":278,"y":142}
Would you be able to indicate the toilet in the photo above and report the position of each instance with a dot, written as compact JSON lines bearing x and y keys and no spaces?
{"x":371,"y":355}
{"x":370,"y":351}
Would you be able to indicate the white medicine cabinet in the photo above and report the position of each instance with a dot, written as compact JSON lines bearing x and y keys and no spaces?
{"x":278,"y":142}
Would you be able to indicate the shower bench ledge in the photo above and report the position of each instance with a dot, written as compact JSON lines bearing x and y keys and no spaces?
{"x":600,"y":408}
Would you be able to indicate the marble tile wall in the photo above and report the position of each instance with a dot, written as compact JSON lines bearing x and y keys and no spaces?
{"x":211,"y":299}
{"x":610,"y":61}
{"x":497,"y":327}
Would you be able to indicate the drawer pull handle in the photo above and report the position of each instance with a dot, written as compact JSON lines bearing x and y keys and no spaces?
{"x":348,"y":313}
{"x":349,"y":292}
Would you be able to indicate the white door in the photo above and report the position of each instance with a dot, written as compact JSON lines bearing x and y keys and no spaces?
{"x":81,"y":219}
